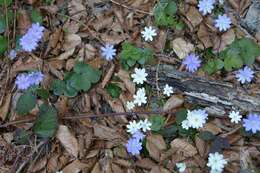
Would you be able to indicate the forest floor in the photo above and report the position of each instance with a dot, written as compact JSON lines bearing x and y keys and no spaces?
{"x":76,"y":119}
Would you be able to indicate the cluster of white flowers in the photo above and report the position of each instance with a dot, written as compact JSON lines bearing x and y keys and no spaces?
{"x":134,"y":126}
{"x":223,"y":22}
{"x":139,"y":99}
{"x":195,"y":119}
{"x":216,"y":162}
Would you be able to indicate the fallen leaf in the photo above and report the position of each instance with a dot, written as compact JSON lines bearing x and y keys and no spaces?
{"x":108,"y":76}
{"x":74,"y":167}
{"x":226,"y":39}
{"x":155,"y":144}
{"x":182,"y":48}
{"x":173,"y":102}
{"x":159,"y":169}
{"x":181,"y":145}
{"x":204,"y":36}
{"x":125,"y":77}
{"x":68,"y":140}
{"x":211,"y":128}
{"x":71,"y":41}
{"x":106,"y":133}
{"x":4,"y":109}
{"x":194,"y":16}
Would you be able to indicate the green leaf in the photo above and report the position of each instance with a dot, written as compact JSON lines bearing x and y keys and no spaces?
{"x":93,"y":75}
{"x":58,"y":87}
{"x":2,"y":24}
{"x":169,"y":132}
{"x":3,"y":44}
{"x":181,"y":115}
{"x":21,"y":137}
{"x":70,"y":91}
{"x":43,"y":93}
{"x":81,"y":67}
{"x":80,"y":82}
{"x":249,"y":50}
{"x":47,"y":122}
{"x":25,"y":103}
{"x":213,"y":66}
{"x":36,"y":16}
{"x":7,"y":2}
{"x":157,"y":122}
{"x":206,"y":135}
{"x":113,"y":90}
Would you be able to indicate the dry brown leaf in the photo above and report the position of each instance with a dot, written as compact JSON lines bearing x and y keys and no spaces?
{"x":74,"y":167}
{"x":108,"y":75}
{"x":125,"y":77}
{"x":71,"y":41}
{"x":24,"y":21}
{"x":226,"y":39}
{"x":106,"y":133}
{"x":96,"y":168}
{"x":159,"y":169}
{"x":212,"y":128}
{"x":182,"y":48}
{"x":181,"y":145}
{"x":194,"y":16}
{"x":76,"y":9}
{"x":4,"y":109}
{"x":155,"y":145}
{"x":146,"y":163}
{"x":160,"y":43}
{"x":39,"y":165}
{"x":173,"y":102}
{"x":68,"y":140}
{"x":201,"y":145}
{"x":204,"y":36}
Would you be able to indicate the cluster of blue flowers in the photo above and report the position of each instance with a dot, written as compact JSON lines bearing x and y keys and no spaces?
{"x":252,"y":123}
{"x":31,"y":38}
{"x":26,"y":80}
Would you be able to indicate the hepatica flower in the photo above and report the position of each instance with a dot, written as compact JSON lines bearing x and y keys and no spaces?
{"x":195,"y":119}
{"x":167,"y":90}
{"x":235,"y":116}
{"x":134,"y":146}
{"x":138,"y":135}
{"x":181,"y":167}
{"x":252,"y":123}
{"x":245,"y":75}
{"x":30,"y":40}
{"x":133,"y":127}
{"x":26,"y":80}
{"x":145,"y":125}
{"x":223,"y":22}
{"x":130,"y":105}
{"x":12,"y":54}
{"x":148,"y":33}
{"x":139,"y":76}
{"x":192,"y":63}
{"x":140,"y":97}
{"x":216,"y":162}
{"x":206,"y":6}
{"x":108,"y":52}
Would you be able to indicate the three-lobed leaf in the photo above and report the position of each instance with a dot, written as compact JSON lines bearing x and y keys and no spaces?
{"x":25,"y":103}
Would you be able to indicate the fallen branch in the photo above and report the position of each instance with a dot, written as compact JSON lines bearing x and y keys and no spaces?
{"x":216,"y":96}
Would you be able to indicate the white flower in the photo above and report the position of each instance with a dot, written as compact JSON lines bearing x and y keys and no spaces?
{"x":167,"y":90}
{"x":145,"y":125}
{"x":140,"y":97}
{"x":235,"y":117}
{"x":108,"y":52}
{"x":185,"y":124}
{"x":206,"y":6}
{"x":148,"y":33}
{"x":139,"y":76}
{"x":223,"y":22}
{"x":181,"y":167}
{"x":130,"y":105}
{"x":197,"y":118}
{"x":216,"y":162}
{"x":59,"y":171}
{"x":133,"y":127}
{"x":221,"y":2}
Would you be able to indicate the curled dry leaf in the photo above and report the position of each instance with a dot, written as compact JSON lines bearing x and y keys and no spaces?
{"x":201,"y":145}
{"x":24,"y":21}
{"x":173,"y":102}
{"x":204,"y":36}
{"x":212,"y":128}
{"x":182,"y":48}
{"x":108,"y":76}
{"x":71,"y":41}
{"x":125,"y":77}
{"x":159,"y":169}
{"x":226,"y":39}
{"x":194,"y":16}
{"x":155,"y":144}
{"x":74,"y":167}
{"x":68,"y":140}
{"x":181,"y":145}
{"x":106,"y":133}
{"x":146,"y":163}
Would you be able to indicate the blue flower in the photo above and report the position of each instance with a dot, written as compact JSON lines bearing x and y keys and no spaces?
{"x":192,"y":63}
{"x":206,"y":6}
{"x":134,"y":146}
{"x":138,"y":135}
{"x":108,"y":52}
{"x":26,"y":80}
{"x":22,"y":81}
{"x":252,"y":122}
{"x":223,"y":22}
{"x":30,"y":40}
{"x":245,"y":75}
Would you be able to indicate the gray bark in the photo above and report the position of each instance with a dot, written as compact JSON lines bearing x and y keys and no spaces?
{"x":216,"y":96}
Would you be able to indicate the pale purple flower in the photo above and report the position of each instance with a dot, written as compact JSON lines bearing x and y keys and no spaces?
{"x":192,"y":63}
{"x":134,"y":146}
{"x":26,"y":80}
{"x":245,"y":75}
{"x":252,"y":122}
{"x":22,"y":81}
{"x":108,"y":52}
{"x":30,"y":40}
{"x":36,"y":77}
{"x":138,"y":135}
{"x":223,"y":22}
{"x":12,"y":54}
{"x":206,"y":6}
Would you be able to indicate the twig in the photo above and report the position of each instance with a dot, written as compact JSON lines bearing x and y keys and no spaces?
{"x":7,"y":25}
{"x":82,"y":116}
{"x":131,"y":8}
